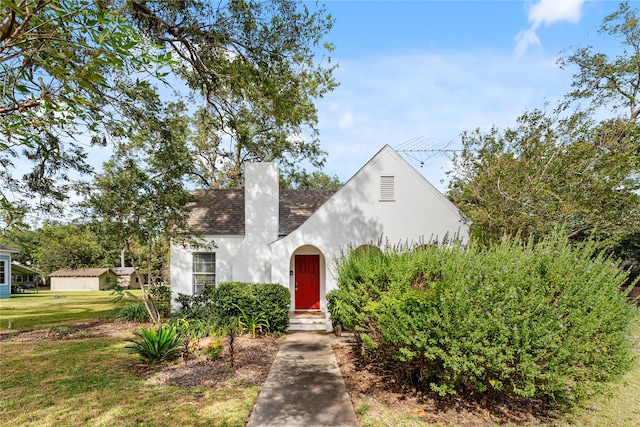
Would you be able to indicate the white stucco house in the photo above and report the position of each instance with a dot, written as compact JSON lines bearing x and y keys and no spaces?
{"x":293,"y":237}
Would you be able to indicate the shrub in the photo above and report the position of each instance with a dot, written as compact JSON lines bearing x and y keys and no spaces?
{"x":230,"y":301}
{"x":195,"y":329}
{"x":156,"y":345}
{"x":132,"y":311}
{"x":537,"y":321}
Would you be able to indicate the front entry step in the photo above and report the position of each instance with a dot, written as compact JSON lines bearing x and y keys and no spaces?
{"x":307,"y":321}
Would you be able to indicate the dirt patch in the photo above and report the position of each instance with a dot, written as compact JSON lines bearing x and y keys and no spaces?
{"x":370,"y":385}
{"x":252,"y":362}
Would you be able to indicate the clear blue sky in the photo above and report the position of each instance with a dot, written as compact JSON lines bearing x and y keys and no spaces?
{"x":433,"y":69}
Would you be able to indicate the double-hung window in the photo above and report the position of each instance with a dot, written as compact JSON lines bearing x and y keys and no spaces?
{"x":3,"y":272}
{"x":204,"y":271}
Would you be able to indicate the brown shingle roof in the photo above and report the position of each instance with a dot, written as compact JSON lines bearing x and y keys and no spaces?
{"x":80,"y":272}
{"x":218,"y":211}
{"x":124,"y":271}
{"x":296,"y":206}
{"x":7,"y":249}
{"x":221,"y":211}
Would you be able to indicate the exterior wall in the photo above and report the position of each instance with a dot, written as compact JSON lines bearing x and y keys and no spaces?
{"x":182,"y":264}
{"x":355,"y":216}
{"x":129,"y":281}
{"x":81,"y":283}
{"x":262,"y":194}
{"x":5,"y":290}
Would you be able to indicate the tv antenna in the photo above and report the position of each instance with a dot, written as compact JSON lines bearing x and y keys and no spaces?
{"x":423,"y":149}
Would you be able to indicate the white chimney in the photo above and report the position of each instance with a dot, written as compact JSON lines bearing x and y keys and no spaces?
{"x":261,"y":210}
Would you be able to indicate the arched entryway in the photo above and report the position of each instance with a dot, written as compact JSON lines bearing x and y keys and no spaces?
{"x":307,"y":279}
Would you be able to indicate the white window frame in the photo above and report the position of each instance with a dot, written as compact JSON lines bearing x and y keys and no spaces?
{"x":206,"y":276}
{"x":3,"y":273}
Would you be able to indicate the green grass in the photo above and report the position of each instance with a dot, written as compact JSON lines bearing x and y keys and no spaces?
{"x":48,"y":308}
{"x":87,"y":383}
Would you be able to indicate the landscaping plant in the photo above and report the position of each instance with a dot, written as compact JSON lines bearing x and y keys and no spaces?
{"x":131,"y":311}
{"x":545,"y":320}
{"x":156,"y":344}
{"x":266,"y":304}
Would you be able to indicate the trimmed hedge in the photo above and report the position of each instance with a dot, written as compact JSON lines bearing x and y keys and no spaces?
{"x":227,"y":299}
{"x":538,"y":321}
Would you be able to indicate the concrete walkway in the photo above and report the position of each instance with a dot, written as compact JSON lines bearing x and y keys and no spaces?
{"x":304,"y":387}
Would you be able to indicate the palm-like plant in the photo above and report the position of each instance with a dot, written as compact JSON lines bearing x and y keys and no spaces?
{"x":156,"y":345}
{"x":254,"y":324}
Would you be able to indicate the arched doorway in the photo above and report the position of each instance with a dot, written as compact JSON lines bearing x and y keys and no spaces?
{"x":308,"y":277}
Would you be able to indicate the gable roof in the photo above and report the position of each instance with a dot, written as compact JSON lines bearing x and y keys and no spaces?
{"x":80,"y":272}
{"x":124,"y":271}
{"x":4,"y":248}
{"x":221,"y":211}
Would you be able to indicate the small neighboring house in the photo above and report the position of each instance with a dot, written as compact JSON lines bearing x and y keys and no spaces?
{"x":293,"y":237}
{"x":24,"y":279}
{"x":5,"y":270}
{"x":128,"y":277}
{"x":82,"y":279}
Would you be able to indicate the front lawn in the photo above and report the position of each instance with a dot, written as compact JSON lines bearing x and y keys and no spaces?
{"x":49,"y":308}
{"x":90,"y":382}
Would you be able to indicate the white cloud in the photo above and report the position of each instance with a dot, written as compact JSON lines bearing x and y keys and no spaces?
{"x":524,"y":39}
{"x":547,"y":12}
{"x":552,"y":11}
{"x":345,"y":121}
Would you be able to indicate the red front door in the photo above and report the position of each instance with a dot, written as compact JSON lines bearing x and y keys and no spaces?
{"x":307,"y":282}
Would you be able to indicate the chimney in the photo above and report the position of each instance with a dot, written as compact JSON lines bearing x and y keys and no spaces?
{"x":261,"y":206}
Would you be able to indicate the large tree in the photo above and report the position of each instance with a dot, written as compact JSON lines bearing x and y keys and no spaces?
{"x":550,"y":172}
{"x":140,"y":199}
{"x":254,"y":72}
{"x":70,"y":69}
{"x":567,"y":168}
{"x":603,"y":81}
{"x":83,"y":72}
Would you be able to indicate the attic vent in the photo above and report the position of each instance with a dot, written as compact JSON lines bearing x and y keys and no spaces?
{"x":387,"y":188}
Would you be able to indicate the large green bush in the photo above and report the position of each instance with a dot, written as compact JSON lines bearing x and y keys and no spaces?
{"x":233,"y":300}
{"x":539,"y":321}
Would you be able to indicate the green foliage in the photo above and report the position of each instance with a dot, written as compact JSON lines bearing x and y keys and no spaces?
{"x":254,"y":324}
{"x":161,"y":296}
{"x":610,"y":82}
{"x":214,"y":349}
{"x":155,"y":345}
{"x":194,"y":329}
{"x":546,"y":173}
{"x":253,"y":66}
{"x":131,"y":311}
{"x":544,"y":320}
{"x":230,"y":301}
{"x":68,"y":66}
{"x":313,"y":181}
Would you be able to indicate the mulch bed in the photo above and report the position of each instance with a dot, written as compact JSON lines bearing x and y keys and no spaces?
{"x":368,"y":384}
